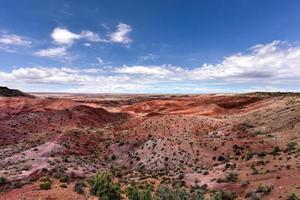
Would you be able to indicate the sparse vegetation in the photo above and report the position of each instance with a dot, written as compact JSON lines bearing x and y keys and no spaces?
{"x":158,"y":155}
{"x":249,"y":155}
{"x":3,"y":180}
{"x":166,"y":193}
{"x":103,"y":187}
{"x":293,"y":196}
{"x":45,"y":185}
{"x":137,"y":193}
{"x":230,"y":177}
{"x":291,"y":146}
{"x":260,"y":191}
{"x":222,"y":195}
{"x":79,"y":187}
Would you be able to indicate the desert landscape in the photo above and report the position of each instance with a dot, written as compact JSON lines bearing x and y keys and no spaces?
{"x":130,"y":146}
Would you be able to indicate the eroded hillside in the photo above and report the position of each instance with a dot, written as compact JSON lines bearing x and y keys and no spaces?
{"x":244,"y":145}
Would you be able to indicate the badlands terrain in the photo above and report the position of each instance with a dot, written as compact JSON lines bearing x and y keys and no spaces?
{"x":90,"y":146}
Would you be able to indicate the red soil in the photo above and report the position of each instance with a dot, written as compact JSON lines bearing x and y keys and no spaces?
{"x":204,"y":137}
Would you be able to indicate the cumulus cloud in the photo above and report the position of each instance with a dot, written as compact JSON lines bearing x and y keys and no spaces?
{"x":52,"y":52}
{"x":145,"y":70}
{"x":276,"y":61}
{"x":121,"y":35}
{"x":263,"y":67}
{"x":65,"y":37}
{"x":9,"y":42}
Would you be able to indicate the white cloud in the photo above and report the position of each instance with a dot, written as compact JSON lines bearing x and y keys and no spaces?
{"x":91,"y":36}
{"x":268,"y":63}
{"x":14,"y":40}
{"x":269,"y":67}
{"x":146,"y":70}
{"x":64,"y":36}
{"x":121,"y":35}
{"x":9,"y":42}
{"x":55,"y":52}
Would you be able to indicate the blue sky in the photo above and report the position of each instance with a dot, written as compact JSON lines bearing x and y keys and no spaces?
{"x":141,"y":46}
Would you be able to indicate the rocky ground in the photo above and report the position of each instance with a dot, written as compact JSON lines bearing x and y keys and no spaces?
{"x":247,"y":144}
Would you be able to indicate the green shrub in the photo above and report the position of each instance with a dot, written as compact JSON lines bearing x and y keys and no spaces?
{"x":254,"y":169}
{"x":45,"y":179}
{"x":222,"y":195}
{"x":166,"y":193}
{"x":45,"y":185}
{"x":264,"y":189}
{"x":293,"y":196}
{"x":291,"y":146}
{"x":103,"y":187}
{"x":249,"y":155}
{"x":17,"y":184}
{"x":230,"y":177}
{"x":182,"y":194}
{"x":64,"y":178}
{"x":3,"y":180}
{"x":253,"y":196}
{"x":136,"y":193}
{"x":199,"y":195}
{"x":276,"y":150}
{"x":63,"y":185}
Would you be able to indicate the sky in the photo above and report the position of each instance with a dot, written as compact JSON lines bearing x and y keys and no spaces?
{"x":141,"y":46}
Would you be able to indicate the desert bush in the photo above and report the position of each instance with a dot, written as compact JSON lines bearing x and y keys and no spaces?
{"x":45,"y":185}
{"x":17,"y":184}
{"x":253,"y":196}
{"x":245,"y":183}
{"x":261,"y":154}
{"x":276,"y":150}
{"x":222,"y":158}
{"x":291,"y":146}
{"x":254,"y":169}
{"x":222,"y":195}
{"x":136,"y":193}
{"x":181,"y":176}
{"x":166,"y":193}
{"x":230,"y":177}
{"x":3,"y":180}
{"x":113,"y":157}
{"x":64,"y":178}
{"x":45,"y":179}
{"x":103,"y":187}
{"x":63,"y":185}
{"x":264,"y":189}
{"x":205,"y":173}
{"x":78,"y":187}
{"x":249,"y":155}
{"x":293,"y":196}
{"x":182,"y":194}
{"x":260,"y":191}
{"x":199,"y":194}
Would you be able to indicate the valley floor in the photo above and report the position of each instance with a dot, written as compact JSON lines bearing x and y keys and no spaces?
{"x":224,"y":146}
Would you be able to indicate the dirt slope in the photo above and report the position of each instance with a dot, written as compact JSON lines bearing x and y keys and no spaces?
{"x":232,"y":142}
